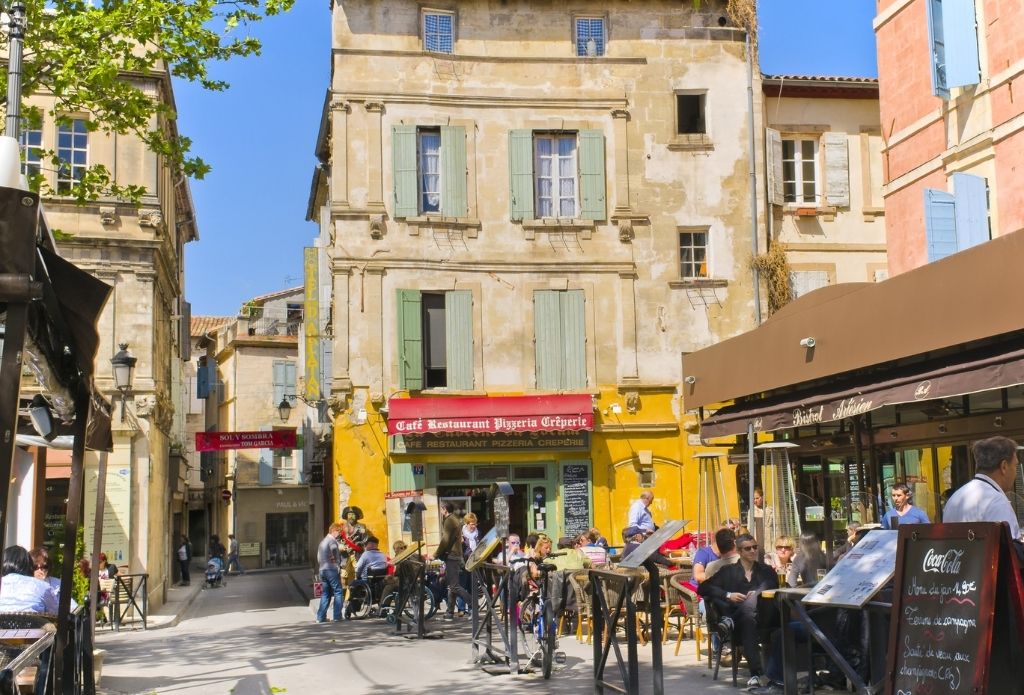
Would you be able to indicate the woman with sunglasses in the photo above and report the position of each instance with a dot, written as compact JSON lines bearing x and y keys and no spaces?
{"x":41,"y":570}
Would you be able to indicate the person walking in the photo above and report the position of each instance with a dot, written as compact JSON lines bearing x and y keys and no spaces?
{"x":449,"y":551}
{"x":184,"y":559}
{"x":328,"y":556}
{"x":233,"y":554}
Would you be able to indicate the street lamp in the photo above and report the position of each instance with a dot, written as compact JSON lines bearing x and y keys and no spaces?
{"x":284,"y":409}
{"x":123,"y":364}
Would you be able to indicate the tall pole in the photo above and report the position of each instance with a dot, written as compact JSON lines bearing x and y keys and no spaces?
{"x":16,"y":40}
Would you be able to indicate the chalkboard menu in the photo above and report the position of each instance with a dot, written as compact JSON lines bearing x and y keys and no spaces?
{"x":944,"y":601}
{"x":576,"y":498}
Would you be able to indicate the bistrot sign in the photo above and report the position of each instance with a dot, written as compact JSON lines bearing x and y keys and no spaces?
{"x":269,"y":439}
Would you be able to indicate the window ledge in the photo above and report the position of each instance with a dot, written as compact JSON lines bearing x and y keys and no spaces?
{"x":871,"y":213}
{"x":798,"y":210}
{"x":471,"y":225}
{"x":697,"y":283}
{"x":695,"y":142}
{"x":584,"y":228}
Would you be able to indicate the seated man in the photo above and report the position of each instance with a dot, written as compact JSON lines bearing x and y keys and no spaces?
{"x":734,"y":590}
{"x":725,"y":539}
{"x":372,"y":559}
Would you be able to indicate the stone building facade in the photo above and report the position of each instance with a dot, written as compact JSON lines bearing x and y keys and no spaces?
{"x":139,"y":251}
{"x":562,"y":193}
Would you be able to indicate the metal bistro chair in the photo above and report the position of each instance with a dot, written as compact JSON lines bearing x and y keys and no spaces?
{"x":690,"y":603}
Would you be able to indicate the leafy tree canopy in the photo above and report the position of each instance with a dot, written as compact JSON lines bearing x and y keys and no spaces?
{"x":85,"y":53}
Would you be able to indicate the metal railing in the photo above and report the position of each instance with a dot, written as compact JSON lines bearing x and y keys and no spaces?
{"x":132,"y":592}
{"x":78,"y":677}
{"x":272,"y":326}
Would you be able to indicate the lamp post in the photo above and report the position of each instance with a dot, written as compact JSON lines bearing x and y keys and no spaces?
{"x":123,"y":364}
{"x":284,"y":409}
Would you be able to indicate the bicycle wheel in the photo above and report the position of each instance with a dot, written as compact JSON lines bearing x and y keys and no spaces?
{"x":429,"y":604}
{"x":548,"y":638}
{"x":387,"y":607}
{"x":359,"y":601}
{"x":528,"y":629}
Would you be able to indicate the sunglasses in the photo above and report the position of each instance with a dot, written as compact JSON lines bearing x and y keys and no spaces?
{"x":748,"y":547}
{"x":513,"y":542}
{"x":42,"y":567}
{"x":783,"y":547}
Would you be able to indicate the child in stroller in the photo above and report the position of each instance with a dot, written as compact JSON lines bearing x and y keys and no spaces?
{"x":215,"y":573}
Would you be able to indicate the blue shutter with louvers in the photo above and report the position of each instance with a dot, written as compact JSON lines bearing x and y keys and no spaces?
{"x":458,"y":325}
{"x":202,"y":381}
{"x":592,"y":181}
{"x":971,"y":195}
{"x":960,"y":36}
{"x":280,"y":380}
{"x":266,"y":460}
{"x":453,"y":171}
{"x":939,"y":223}
{"x":938,"y":48}
{"x":289,"y":381}
{"x":548,"y":342}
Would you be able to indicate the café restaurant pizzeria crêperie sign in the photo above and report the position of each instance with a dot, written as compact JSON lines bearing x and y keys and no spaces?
{"x":544,"y":423}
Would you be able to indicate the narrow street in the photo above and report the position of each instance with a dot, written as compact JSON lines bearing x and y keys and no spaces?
{"x":258,"y":636}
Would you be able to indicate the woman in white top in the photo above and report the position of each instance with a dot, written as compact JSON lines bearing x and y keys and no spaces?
{"x":20,"y":592}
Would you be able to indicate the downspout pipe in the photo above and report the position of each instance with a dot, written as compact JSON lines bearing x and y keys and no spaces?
{"x":753,"y":180}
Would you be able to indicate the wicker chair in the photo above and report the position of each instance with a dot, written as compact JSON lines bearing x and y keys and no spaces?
{"x":580,"y":583}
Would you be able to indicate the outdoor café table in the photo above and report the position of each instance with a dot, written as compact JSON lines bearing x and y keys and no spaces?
{"x":783,"y":599}
{"x":21,"y":636}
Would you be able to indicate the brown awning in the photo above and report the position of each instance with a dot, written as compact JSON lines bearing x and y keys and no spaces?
{"x":955,"y":375}
{"x":971,"y":296}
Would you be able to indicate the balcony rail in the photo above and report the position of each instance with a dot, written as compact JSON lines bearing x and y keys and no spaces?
{"x":272,"y":326}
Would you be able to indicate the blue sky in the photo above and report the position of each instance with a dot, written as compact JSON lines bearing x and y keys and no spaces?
{"x":259,"y":136}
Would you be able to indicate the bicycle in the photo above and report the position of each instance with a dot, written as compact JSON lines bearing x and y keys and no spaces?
{"x":538,"y":624}
{"x":387,"y":606}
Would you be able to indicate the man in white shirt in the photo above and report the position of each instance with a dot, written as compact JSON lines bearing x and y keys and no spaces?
{"x":984,"y":497}
{"x":640,"y":514}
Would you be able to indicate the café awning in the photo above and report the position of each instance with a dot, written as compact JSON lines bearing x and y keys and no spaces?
{"x":436,"y":415}
{"x":957,"y":374}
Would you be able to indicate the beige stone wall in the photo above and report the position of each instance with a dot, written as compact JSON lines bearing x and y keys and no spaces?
{"x":140,"y":252}
{"x":515,"y":68}
{"x":847,"y":242}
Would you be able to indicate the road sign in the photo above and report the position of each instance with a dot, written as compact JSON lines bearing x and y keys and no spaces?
{"x":225,"y":495}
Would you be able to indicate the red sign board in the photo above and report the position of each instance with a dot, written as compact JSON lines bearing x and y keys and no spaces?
{"x":269,"y":439}
{"x":510,"y":414}
{"x":225,"y":495}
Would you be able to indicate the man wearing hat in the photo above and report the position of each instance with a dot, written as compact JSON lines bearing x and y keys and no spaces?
{"x":353,"y":540}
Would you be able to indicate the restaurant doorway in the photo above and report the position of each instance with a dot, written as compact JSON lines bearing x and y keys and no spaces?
{"x":532,"y":507}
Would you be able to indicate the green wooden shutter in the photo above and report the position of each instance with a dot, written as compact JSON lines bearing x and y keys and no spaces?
{"x":453,"y":171}
{"x":592,"y":183}
{"x":548,"y":339}
{"x":574,"y":335}
{"x":403,"y":157}
{"x":410,"y":340}
{"x":520,"y":165}
{"x":458,"y":325}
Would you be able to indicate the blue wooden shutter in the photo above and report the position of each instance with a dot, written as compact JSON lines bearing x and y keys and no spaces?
{"x":202,"y":380}
{"x":453,"y":171}
{"x":410,"y":340}
{"x":592,"y":181}
{"x":960,"y":36}
{"x":939,"y":223}
{"x":520,"y":165}
{"x":280,"y":380}
{"x":403,"y":157}
{"x":548,"y":339}
{"x":971,"y":195}
{"x":266,"y":462}
{"x":938,"y":48}
{"x":574,"y":335}
{"x":289,"y":381}
{"x":458,"y":326}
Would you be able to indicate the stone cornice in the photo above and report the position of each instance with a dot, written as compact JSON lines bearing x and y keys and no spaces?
{"x":455,"y":58}
{"x":484,"y":267}
{"x":491,"y":101}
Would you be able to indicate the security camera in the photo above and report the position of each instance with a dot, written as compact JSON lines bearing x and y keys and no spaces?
{"x":807,"y":342}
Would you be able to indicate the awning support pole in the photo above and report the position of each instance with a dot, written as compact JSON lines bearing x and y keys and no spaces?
{"x":750,"y":478}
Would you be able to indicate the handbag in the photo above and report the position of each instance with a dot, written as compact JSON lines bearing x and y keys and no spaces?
{"x":318,"y":587}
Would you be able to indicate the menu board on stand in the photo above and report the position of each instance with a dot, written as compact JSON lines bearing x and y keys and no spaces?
{"x":576,"y":498}
{"x":958,"y":612}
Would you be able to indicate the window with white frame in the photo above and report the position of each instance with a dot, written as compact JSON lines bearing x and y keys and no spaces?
{"x":428,"y":148}
{"x":438,"y":31}
{"x":590,"y":36}
{"x":800,"y":170}
{"x":73,"y":152}
{"x":284,"y":466}
{"x":31,"y":151}
{"x":556,"y":170}
{"x":693,"y":255}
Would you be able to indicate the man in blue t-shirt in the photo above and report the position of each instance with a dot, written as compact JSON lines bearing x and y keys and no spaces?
{"x":903,"y":512}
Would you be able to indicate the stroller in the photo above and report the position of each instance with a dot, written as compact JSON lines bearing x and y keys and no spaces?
{"x":215,"y":573}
